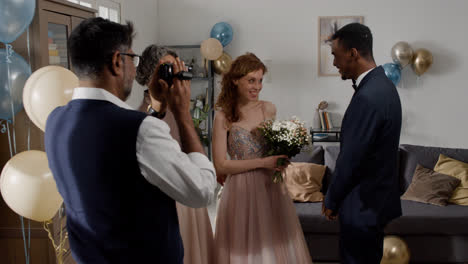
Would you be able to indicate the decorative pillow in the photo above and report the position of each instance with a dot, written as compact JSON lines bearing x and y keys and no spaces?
{"x":430,"y":187}
{"x":459,"y":170}
{"x":304,"y":181}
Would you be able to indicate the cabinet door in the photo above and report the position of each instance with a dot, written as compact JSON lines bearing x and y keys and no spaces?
{"x":75,"y":21}
{"x":56,"y":29}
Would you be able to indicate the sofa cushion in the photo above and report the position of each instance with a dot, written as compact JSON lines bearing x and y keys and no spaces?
{"x":304,"y":181}
{"x":426,"y":219}
{"x":458,"y":170}
{"x":411,"y":155}
{"x":418,"y":218}
{"x":311,"y":154}
{"x":312,"y":220}
{"x":430,"y":187}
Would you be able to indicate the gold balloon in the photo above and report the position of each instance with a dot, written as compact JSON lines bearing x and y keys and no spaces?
{"x":402,"y":53}
{"x":422,"y":61}
{"x":222,"y":64}
{"x":395,"y":251}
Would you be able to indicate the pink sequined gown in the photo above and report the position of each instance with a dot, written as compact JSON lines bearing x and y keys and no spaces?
{"x":257,"y":221}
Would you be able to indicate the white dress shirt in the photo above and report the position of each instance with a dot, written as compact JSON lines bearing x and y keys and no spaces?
{"x":359,"y":79}
{"x":190,"y":179}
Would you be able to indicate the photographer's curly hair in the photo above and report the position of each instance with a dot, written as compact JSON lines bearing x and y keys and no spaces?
{"x":228,"y":98}
{"x":149,"y":60}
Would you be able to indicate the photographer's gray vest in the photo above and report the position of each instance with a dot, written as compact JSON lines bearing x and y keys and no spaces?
{"x":113,"y":214}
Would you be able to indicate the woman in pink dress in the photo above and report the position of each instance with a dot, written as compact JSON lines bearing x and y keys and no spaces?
{"x":256,"y":220}
{"x":194,"y":223}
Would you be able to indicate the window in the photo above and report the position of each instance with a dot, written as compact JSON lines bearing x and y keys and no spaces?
{"x":87,"y":4}
{"x":83,"y":3}
{"x":109,"y":10}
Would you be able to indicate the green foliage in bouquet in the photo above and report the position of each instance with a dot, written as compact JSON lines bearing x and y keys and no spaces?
{"x":286,"y":137}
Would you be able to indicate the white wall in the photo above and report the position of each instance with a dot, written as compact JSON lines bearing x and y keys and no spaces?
{"x":143,"y":14}
{"x":286,"y":32}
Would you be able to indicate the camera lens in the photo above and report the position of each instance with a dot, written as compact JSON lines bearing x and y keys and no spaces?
{"x":166,"y":73}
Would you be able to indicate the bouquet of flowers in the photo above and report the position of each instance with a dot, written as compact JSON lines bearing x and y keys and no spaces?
{"x":285,"y":137}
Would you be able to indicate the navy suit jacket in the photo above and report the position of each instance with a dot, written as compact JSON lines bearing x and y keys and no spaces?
{"x":365,"y":187}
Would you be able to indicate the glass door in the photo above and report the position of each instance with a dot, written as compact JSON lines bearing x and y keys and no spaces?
{"x":58,"y":30}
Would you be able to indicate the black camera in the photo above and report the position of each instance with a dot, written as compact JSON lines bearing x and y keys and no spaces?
{"x":166,"y":73}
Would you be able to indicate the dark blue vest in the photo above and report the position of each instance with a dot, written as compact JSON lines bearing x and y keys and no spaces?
{"x":113,"y":214}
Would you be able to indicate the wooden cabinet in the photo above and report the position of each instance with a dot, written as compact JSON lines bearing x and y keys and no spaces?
{"x":52,"y":24}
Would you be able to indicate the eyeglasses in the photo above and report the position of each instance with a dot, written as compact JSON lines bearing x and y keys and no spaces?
{"x":135,"y":58}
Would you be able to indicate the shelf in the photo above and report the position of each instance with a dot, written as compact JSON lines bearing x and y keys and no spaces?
{"x":202,"y":78}
{"x":333,"y":134}
{"x":330,"y":138}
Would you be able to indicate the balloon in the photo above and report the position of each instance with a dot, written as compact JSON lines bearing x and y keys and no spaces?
{"x":393,"y":72}
{"x":211,"y":49}
{"x":15,"y":17}
{"x":222,"y":64}
{"x":422,"y":61}
{"x":402,"y":53}
{"x":222,"y":31}
{"x":46,"y":89}
{"x":19,"y":73}
{"x":395,"y":251}
{"x":28,"y":187}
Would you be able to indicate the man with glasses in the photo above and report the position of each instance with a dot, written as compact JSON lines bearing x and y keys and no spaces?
{"x":135,"y":58}
{"x":118,"y":170}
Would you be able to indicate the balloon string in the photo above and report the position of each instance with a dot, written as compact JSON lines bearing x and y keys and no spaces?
{"x":9,"y":139}
{"x":29,"y":239}
{"x":60,"y":248}
{"x":27,"y":248}
{"x":9,"y":52}
{"x":28,"y":43}
{"x":29,"y":49}
{"x":29,"y":63}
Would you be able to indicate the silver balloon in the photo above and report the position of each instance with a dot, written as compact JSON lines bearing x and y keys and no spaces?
{"x":402,"y":53}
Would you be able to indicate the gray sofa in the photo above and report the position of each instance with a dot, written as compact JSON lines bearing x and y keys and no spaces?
{"x":434,"y":234}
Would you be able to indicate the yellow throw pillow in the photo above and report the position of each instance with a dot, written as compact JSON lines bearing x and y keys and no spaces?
{"x":459,"y":170}
{"x":304,"y":181}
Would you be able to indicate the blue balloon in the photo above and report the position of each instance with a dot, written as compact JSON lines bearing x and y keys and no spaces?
{"x":393,"y":72}
{"x":222,"y":31}
{"x":19,"y":71}
{"x":15,"y":17}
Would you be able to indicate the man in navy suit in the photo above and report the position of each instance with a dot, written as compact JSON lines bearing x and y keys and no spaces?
{"x":364,"y":193}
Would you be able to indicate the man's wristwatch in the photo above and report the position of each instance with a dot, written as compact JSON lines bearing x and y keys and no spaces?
{"x":150,"y":110}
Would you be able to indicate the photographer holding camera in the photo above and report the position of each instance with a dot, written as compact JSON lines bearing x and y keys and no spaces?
{"x":118,"y":170}
{"x":195,"y":227}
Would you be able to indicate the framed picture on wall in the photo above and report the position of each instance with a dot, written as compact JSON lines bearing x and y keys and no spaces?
{"x":327,"y":27}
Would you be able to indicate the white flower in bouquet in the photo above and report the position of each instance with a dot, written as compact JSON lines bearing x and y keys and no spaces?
{"x":285,"y":137}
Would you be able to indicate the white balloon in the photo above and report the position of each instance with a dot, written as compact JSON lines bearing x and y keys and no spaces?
{"x":46,"y":89}
{"x":28,"y":187}
{"x":211,"y":49}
